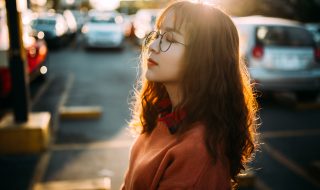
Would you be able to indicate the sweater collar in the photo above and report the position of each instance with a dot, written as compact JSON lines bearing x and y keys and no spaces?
{"x":171,"y":119}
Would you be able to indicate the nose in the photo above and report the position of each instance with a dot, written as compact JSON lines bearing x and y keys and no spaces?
{"x":155,"y":46}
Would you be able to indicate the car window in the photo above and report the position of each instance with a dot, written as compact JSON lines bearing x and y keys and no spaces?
{"x":110,"y":20}
{"x":283,"y":36}
{"x":153,"y":18}
{"x":43,"y":22}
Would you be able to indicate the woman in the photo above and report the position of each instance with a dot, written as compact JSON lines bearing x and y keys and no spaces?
{"x":194,"y":108}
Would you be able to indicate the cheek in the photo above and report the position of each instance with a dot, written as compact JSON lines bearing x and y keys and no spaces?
{"x":177,"y":62}
{"x":173,"y":67}
{"x":170,"y":69}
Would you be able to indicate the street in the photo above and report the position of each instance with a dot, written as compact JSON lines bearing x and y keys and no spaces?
{"x":93,"y":148}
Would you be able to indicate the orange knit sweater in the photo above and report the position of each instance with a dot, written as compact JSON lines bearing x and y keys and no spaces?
{"x":161,"y":161}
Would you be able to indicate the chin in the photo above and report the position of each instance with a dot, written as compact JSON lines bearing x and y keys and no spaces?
{"x":150,"y":77}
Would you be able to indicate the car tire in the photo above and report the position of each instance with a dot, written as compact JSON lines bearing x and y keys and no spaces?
{"x":307,"y":96}
{"x":41,"y":78}
{"x":121,"y":47}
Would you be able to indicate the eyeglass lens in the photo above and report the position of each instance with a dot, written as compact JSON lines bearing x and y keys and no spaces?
{"x":165,"y":40}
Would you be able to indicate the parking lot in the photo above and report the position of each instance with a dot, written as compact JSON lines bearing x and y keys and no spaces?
{"x":94,"y":148}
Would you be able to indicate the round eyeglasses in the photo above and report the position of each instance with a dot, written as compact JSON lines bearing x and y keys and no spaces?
{"x":166,"y":39}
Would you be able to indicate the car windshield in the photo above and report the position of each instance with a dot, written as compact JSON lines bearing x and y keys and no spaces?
{"x":110,"y":20}
{"x":43,"y":22}
{"x":283,"y":36}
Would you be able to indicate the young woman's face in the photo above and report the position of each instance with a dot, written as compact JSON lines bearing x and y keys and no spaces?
{"x":166,"y":67}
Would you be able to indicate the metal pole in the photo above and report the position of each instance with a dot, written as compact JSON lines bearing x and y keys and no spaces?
{"x":17,"y":58}
{"x":28,"y":4}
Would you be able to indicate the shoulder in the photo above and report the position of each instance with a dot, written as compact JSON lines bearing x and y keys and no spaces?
{"x":197,"y":130}
{"x":191,"y":164}
{"x":191,"y":143}
{"x":194,"y":137}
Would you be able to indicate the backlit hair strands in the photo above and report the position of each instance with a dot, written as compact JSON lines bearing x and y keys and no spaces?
{"x":216,"y":87}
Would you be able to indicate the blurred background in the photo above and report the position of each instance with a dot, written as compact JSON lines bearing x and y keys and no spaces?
{"x":84,"y":55}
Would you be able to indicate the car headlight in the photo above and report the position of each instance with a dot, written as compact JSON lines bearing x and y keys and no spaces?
{"x":40,"y":35}
{"x":85,"y":29}
{"x":59,"y":30}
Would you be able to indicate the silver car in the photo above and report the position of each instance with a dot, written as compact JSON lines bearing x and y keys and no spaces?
{"x":281,"y":55}
{"x":53,"y":27}
{"x":104,"y":30}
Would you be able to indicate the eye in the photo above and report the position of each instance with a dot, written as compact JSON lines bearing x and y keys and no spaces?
{"x":169,"y":38}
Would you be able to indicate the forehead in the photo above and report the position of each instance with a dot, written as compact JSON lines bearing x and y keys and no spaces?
{"x":169,"y":21}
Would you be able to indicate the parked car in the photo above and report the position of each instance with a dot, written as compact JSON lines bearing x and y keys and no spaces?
{"x":71,"y":22}
{"x":144,"y":22}
{"x":36,"y":54}
{"x":80,"y":18}
{"x":314,"y":28}
{"x":104,"y":30}
{"x":53,"y":26}
{"x":281,"y":55}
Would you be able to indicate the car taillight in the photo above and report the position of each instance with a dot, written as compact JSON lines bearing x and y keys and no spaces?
{"x":5,"y":80}
{"x":257,"y":52}
{"x":43,"y":50}
{"x":317,"y":53}
{"x":32,"y":52}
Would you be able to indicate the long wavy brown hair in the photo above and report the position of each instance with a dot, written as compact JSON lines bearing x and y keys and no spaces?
{"x":216,"y":87}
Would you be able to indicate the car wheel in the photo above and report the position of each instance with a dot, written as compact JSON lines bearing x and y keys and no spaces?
{"x":121,"y":47}
{"x":41,"y":78}
{"x":307,"y":96}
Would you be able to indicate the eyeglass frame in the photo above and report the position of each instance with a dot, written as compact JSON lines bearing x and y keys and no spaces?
{"x":158,"y":34}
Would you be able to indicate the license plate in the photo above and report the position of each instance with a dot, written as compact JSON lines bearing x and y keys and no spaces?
{"x":289,"y":62}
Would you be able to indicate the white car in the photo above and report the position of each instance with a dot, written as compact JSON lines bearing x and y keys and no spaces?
{"x":104,"y":30}
{"x":314,"y":28}
{"x":281,"y":55}
{"x":53,"y":26}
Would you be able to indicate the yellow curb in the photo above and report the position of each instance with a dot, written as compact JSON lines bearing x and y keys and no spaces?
{"x":80,"y":112}
{"x":30,"y":137}
{"x":87,"y":184}
{"x":311,"y":105}
{"x":246,"y":179}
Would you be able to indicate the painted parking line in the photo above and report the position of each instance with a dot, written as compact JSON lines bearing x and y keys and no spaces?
{"x":76,"y":112}
{"x":66,"y":92}
{"x":80,"y":112}
{"x":314,"y":168}
{"x":247,"y":179}
{"x":44,"y":87}
{"x":307,"y":106}
{"x":88,"y":184}
{"x":42,"y":165}
{"x":40,"y":169}
{"x":260,"y":185}
{"x":290,"y":133}
{"x":290,"y":164}
{"x":316,"y":165}
{"x":96,"y":145}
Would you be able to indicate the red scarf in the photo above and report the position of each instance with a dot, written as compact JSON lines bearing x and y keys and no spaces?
{"x":171,"y":119}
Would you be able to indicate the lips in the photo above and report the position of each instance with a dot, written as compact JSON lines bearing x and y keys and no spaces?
{"x":151,"y":62}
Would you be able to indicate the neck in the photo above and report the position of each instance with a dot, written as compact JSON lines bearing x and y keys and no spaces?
{"x":174,"y":94}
